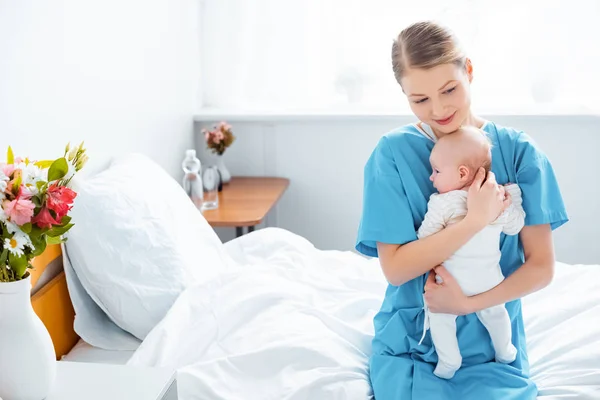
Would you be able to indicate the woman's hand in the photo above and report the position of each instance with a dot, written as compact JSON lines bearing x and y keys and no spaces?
{"x":446,"y":297}
{"x":486,"y":200}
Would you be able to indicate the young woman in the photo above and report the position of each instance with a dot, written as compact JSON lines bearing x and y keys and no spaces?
{"x":435,"y":76}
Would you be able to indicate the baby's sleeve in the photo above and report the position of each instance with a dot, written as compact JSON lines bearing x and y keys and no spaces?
{"x":435,"y":219}
{"x":513,"y":218}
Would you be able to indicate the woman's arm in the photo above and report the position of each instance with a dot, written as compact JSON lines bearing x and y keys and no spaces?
{"x":535,"y":274}
{"x":401,"y":263}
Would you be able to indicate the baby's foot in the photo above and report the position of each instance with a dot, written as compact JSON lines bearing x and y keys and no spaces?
{"x":445,"y":371}
{"x":508,"y":356}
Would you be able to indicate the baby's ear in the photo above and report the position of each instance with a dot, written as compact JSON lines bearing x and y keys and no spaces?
{"x":464,"y":172}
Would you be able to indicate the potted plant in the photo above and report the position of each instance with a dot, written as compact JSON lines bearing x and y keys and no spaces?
{"x":218,"y":140}
{"x":35,"y":201}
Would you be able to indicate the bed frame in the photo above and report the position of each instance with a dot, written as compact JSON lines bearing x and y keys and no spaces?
{"x":51,"y":301}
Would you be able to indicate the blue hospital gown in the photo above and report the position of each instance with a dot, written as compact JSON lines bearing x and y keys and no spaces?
{"x":396,"y":191}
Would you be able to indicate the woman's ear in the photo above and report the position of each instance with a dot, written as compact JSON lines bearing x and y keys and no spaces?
{"x":463,"y":172}
{"x":469,"y":69}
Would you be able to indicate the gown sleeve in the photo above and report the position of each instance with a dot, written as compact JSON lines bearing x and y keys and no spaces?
{"x":386,"y":213}
{"x":541,"y":196}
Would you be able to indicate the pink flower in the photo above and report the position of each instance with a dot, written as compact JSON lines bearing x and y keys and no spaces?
{"x":60,"y":200}
{"x":25,"y":193}
{"x":8,"y":169}
{"x":44,"y":219}
{"x":224,"y":126}
{"x":19,"y":211}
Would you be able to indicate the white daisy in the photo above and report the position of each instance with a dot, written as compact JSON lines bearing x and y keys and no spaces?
{"x":32,"y":175}
{"x":16,"y":244}
{"x":13,"y":228}
{"x":3,"y":184}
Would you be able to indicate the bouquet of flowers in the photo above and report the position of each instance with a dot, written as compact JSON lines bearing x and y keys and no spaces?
{"x":219,"y":138}
{"x":34,"y":202}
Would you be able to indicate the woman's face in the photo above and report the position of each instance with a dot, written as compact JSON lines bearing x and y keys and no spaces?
{"x":439,"y":96}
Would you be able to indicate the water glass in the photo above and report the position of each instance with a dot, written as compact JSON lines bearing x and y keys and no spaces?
{"x":210,"y":180}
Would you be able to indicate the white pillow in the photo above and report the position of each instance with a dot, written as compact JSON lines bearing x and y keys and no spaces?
{"x":91,"y":322}
{"x":138,"y":242}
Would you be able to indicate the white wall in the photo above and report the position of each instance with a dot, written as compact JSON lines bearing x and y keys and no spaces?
{"x":119,"y":74}
{"x":324,"y":159}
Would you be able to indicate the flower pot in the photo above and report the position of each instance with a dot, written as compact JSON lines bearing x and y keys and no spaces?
{"x":225,"y":175}
{"x":27,"y":357}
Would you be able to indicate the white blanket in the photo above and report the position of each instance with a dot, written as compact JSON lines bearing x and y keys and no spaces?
{"x":293,"y":322}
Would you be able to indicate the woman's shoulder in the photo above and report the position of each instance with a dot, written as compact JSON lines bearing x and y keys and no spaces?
{"x":402,"y":133}
{"x":395,"y":147}
{"x":399,"y":137}
{"x":507,"y":133}
{"x":517,"y":142}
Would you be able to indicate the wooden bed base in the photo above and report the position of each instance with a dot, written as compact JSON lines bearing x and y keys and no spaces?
{"x":51,"y":301}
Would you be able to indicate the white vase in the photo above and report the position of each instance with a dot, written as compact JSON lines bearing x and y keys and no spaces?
{"x":225,"y":175}
{"x":27,"y":358}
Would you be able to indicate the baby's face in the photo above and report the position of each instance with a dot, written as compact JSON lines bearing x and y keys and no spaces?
{"x":447,"y":173}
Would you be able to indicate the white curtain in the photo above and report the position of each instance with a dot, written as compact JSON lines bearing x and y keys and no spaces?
{"x":323,"y":54}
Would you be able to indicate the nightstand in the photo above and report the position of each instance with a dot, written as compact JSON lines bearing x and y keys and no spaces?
{"x":78,"y":380}
{"x":245,"y":202}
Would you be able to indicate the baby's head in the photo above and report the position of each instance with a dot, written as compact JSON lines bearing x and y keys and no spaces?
{"x":456,"y":158}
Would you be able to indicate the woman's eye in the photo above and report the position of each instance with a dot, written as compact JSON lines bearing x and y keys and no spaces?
{"x":421,"y":101}
{"x":450,"y":90}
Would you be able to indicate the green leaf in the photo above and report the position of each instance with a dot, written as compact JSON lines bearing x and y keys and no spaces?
{"x":36,"y":201}
{"x":54,"y":240}
{"x":4,"y":257}
{"x":18,"y":264}
{"x":26,"y":228}
{"x":17,"y":183}
{"x":58,"y":169}
{"x":65,"y":220}
{"x":36,"y":231}
{"x":40,"y":245}
{"x":43,"y":164}
{"x":10,"y":157}
{"x":40,"y":184}
{"x":59,"y":230}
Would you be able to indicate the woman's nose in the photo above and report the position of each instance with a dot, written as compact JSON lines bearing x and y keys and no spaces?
{"x":438,"y":110}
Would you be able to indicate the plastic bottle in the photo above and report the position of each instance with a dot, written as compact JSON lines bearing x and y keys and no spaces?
{"x":192,"y":182}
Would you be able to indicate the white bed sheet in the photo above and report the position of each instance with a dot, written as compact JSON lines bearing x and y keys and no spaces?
{"x":294,"y":322}
{"x":84,"y":352}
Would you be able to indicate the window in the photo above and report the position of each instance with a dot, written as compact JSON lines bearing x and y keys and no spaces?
{"x":320,"y":54}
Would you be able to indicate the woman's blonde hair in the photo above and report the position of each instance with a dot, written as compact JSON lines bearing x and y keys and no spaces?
{"x":425,"y":45}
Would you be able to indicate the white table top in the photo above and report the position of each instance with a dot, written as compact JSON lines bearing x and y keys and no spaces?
{"x":77,"y":380}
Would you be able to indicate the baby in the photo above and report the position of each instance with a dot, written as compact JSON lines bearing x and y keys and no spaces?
{"x":455,"y":160}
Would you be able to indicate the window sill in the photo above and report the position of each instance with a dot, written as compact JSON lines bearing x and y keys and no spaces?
{"x":335,"y":114}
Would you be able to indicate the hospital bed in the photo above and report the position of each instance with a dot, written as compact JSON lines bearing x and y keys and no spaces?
{"x":265,"y":316}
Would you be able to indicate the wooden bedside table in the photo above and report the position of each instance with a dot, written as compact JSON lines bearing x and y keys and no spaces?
{"x":245,"y":201}
{"x":78,"y":380}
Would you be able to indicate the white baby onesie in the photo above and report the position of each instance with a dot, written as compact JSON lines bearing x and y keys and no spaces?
{"x":476,"y":268}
